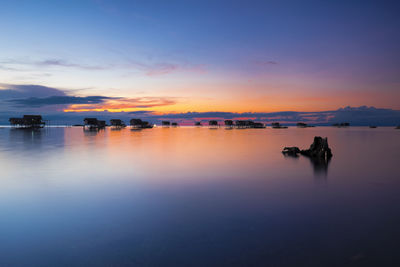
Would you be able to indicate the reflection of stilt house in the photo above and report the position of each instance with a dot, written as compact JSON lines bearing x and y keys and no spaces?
{"x":28,"y":121}
{"x":102,"y":124}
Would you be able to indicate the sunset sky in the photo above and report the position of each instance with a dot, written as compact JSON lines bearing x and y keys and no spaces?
{"x":198,"y":56}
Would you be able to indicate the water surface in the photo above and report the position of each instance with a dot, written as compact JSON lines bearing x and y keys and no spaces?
{"x":198,"y":197}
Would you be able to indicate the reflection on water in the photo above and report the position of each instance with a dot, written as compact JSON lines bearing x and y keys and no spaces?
{"x":91,"y":131}
{"x":116,"y":128}
{"x":26,"y":136}
{"x":320,"y":165}
{"x":191,"y":196}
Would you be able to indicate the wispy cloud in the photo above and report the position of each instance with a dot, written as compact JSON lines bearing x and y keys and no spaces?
{"x":8,"y":68}
{"x":162,"y":68}
{"x":22,"y":64}
{"x":8,"y":91}
{"x":147,"y":68}
{"x":64,"y":63}
{"x":265,"y":62}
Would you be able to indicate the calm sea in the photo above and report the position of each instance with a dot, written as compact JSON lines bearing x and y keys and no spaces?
{"x":198,"y":197}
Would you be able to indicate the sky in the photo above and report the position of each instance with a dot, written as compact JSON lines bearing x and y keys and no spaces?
{"x":174,"y":57}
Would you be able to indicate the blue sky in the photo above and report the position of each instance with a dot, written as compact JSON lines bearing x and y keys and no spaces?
{"x":203,"y":56}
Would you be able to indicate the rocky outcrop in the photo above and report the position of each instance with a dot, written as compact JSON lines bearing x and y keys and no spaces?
{"x":318,"y":149}
{"x":294,"y":150}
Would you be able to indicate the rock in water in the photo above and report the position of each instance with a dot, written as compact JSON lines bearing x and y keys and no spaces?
{"x":318,"y":149}
{"x":294,"y":150}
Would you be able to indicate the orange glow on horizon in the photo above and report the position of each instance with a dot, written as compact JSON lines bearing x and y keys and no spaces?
{"x":237,"y":103}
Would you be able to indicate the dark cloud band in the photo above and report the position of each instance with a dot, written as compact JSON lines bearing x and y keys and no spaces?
{"x":59,"y":100}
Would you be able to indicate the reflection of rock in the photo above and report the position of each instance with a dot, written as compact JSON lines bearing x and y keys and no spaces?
{"x":398,"y":127}
{"x":320,"y":165}
{"x":286,"y":155}
{"x":318,"y":149}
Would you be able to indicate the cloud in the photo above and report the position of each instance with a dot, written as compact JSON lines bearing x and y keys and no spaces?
{"x":368,"y":115}
{"x":123,"y":104}
{"x":8,"y":68}
{"x":59,"y":100}
{"x":162,"y":68}
{"x":16,"y":99}
{"x":148,"y":69}
{"x":9,"y":91}
{"x":166,"y":68}
{"x":265,"y":62}
{"x":142,"y":112}
{"x":18,"y":64}
{"x":39,"y":98}
{"x":63,"y":63}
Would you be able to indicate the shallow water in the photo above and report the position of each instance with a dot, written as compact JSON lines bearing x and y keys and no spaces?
{"x":198,"y":197}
